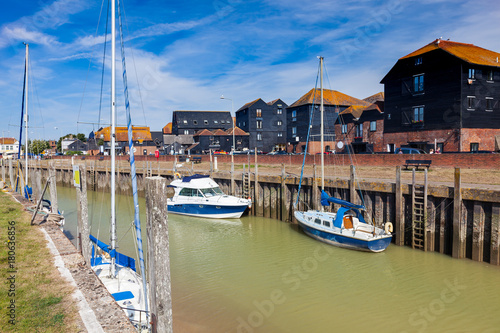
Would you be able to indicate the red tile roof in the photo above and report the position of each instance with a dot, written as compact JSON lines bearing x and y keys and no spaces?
{"x":468,"y":52}
{"x":374,"y":98}
{"x":138,"y":134}
{"x":249,"y":104}
{"x":330,"y":97}
{"x":237,"y":131}
{"x":167,"y":129}
{"x":204,"y":132}
{"x":7,"y":141}
{"x":219,"y":132}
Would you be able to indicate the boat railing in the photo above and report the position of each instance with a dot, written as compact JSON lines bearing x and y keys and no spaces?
{"x":143,"y":323}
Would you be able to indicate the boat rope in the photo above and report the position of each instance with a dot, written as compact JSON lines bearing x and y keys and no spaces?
{"x":132,"y":163}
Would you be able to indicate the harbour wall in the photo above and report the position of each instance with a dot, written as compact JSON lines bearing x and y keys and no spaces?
{"x":459,"y":221}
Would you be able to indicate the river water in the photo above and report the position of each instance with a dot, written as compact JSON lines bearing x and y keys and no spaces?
{"x":261,"y":275}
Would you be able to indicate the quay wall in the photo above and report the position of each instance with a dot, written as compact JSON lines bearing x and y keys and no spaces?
{"x":466,"y":225}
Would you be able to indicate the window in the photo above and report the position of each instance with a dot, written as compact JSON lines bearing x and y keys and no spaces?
{"x":471,"y":102}
{"x":279,"y":111}
{"x":186,"y":132}
{"x":326,"y":224}
{"x":344,"y":128}
{"x":317,"y":221}
{"x":259,"y":124}
{"x":418,"y":114}
{"x":195,"y":122}
{"x":206,"y":122}
{"x":388,"y":116}
{"x":373,"y":126}
{"x":280,"y":134}
{"x":359,"y":130}
{"x":294,"y":131}
{"x":472,"y":73}
{"x":259,"y":136}
{"x":185,"y":122}
{"x":489,"y":76}
{"x":244,"y":123}
{"x":279,"y":123}
{"x":294,"y":115}
{"x":474,"y":146}
{"x":489,"y":104}
{"x":418,"y":83}
{"x":418,"y":61}
{"x":259,"y":113}
{"x":216,"y":122}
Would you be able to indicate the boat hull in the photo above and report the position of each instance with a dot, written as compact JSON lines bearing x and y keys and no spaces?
{"x":207,"y":210}
{"x":377,"y":244}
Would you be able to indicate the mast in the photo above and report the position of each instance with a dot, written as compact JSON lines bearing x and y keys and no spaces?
{"x":26,"y":118}
{"x":112,"y":134}
{"x":322,"y":128}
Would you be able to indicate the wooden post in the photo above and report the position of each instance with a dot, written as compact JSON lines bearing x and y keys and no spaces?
{"x":495,"y":235}
{"x":79,"y":220}
{"x":53,"y":187}
{"x":84,"y":216}
{"x":158,"y":254}
{"x":379,"y":210}
{"x":352,"y":186}
{"x":11,"y":175}
{"x":442,"y":225}
{"x":211,"y":164}
{"x":283,"y":194}
{"x":37,"y":185}
{"x":458,"y":230}
{"x":399,"y":217}
{"x":315,"y":196}
{"x":478,"y":232}
{"x":426,"y":223}
{"x":258,"y":202}
{"x":3,"y":170}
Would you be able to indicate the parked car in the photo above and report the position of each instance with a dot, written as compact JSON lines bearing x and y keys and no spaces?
{"x":409,"y":151}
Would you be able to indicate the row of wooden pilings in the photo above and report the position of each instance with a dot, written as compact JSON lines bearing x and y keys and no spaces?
{"x":158,"y":260}
{"x":459,"y":221}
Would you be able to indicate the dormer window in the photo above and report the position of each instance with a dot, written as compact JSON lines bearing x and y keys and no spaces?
{"x":195,"y":122}
{"x":206,"y":122}
{"x":418,"y":61}
{"x":185,"y":121}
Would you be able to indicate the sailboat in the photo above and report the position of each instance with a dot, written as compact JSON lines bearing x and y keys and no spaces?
{"x":117,"y":271}
{"x":347,"y":227}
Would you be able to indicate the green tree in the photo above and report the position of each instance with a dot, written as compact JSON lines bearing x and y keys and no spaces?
{"x":81,"y":137}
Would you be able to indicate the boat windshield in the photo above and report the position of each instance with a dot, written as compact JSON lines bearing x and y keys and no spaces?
{"x":212,"y":191}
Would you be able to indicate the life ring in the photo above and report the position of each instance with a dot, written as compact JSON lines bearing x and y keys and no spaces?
{"x":177,"y":175}
{"x":388,"y":227}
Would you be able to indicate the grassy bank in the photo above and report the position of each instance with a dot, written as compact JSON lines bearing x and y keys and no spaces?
{"x":34,"y":297}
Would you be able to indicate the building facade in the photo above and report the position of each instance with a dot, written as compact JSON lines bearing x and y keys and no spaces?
{"x":299,"y":120}
{"x":444,"y":96}
{"x":265,"y":123}
{"x":9,"y":147}
{"x":191,"y":122}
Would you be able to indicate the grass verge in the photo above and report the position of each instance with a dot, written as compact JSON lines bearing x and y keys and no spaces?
{"x":33,"y":295}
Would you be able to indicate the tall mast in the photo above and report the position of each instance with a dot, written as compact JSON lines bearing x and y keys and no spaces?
{"x":112,"y":134}
{"x":322,"y":127}
{"x":26,"y":118}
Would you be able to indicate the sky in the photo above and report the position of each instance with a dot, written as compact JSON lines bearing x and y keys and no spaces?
{"x":183,"y":55}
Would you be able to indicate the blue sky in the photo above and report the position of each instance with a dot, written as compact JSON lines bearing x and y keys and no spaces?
{"x":183,"y":55}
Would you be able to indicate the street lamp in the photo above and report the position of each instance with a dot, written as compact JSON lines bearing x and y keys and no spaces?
{"x":234,"y":146}
{"x":57,"y":128}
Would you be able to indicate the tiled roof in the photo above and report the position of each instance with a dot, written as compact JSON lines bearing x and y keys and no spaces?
{"x":468,"y":52}
{"x":138,"y":134}
{"x":219,"y":132}
{"x":249,"y":104}
{"x":373,"y":98}
{"x":167,"y":129}
{"x":355,"y":110}
{"x":273,"y":101}
{"x":203,"y":132}
{"x":330,"y":97}
{"x":237,"y":131}
{"x":7,"y":141}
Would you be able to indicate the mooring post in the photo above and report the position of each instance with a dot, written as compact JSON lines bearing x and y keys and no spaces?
{"x":79,"y":226}
{"x":37,"y":185}
{"x":257,"y":202}
{"x":495,"y":235}
{"x":211,"y":164}
{"x":478,"y":232}
{"x":3,"y":170}
{"x":158,"y":254}
{"x":283,"y":194}
{"x":84,"y":215}
{"x":458,"y":229}
{"x":233,"y":190}
{"x":352,"y":186}
{"x":53,"y":187}
{"x":399,"y":214}
{"x":11,"y":175}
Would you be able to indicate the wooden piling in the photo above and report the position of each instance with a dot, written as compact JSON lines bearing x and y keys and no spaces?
{"x":11,"y":176}
{"x":399,"y":217}
{"x":37,"y":184}
{"x":495,"y":235}
{"x":442,"y":226}
{"x":158,"y":254}
{"x":258,"y":201}
{"x":352,"y":186}
{"x":3,"y":170}
{"x":283,"y":195}
{"x":459,"y":232}
{"x":478,"y":232}
{"x":84,"y":216}
{"x":53,"y":188}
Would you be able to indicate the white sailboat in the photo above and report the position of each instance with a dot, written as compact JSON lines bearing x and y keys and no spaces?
{"x":117,"y":271}
{"x":346,"y":228}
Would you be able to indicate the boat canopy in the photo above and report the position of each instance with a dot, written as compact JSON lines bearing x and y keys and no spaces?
{"x":121,"y":259}
{"x":187,"y":179}
{"x":326,"y":200}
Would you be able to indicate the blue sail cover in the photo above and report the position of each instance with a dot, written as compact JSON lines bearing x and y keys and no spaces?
{"x":326,"y":200}
{"x":121,"y":259}
{"x":187,"y":179}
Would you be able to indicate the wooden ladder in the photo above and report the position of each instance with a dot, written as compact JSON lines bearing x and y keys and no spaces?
{"x":246,"y":183}
{"x":419,"y":213}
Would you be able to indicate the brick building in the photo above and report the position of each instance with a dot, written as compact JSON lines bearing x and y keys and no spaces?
{"x":444,"y":95}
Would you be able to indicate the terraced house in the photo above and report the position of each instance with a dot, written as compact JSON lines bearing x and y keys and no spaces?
{"x":444,"y":95}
